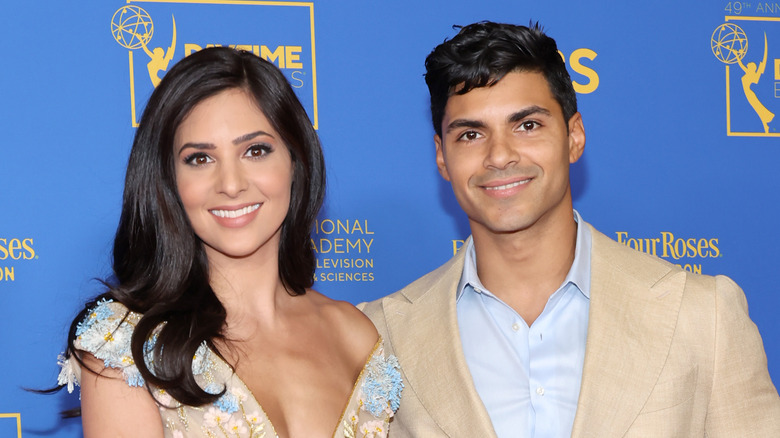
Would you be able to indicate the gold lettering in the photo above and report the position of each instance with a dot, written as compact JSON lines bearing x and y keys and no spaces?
{"x":456,"y":244}
{"x":588,"y":72}
{"x":655,"y":242}
{"x":293,"y":53}
{"x":691,"y":244}
{"x":701,"y":246}
{"x":668,"y":239}
{"x":13,"y":246}
{"x":696,"y":269}
{"x":277,"y":56}
{"x":27,"y":245}
{"x":679,"y":248}
{"x":190,"y":48}
{"x":777,"y":69}
{"x":332,"y":226}
{"x":9,"y":274}
{"x":715,"y":250}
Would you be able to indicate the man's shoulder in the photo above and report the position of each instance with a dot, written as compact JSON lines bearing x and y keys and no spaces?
{"x":615,"y":255}
{"x":432,"y":282}
{"x":608,"y":252}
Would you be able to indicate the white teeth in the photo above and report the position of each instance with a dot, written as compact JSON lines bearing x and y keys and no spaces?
{"x":508,"y":186}
{"x":235,"y":213}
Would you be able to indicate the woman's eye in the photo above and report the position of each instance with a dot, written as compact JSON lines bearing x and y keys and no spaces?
{"x":258,"y":151}
{"x":198,"y":159}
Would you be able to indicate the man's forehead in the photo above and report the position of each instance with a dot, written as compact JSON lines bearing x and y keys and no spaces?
{"x":518,"y":87}
{"x":482,"y":82}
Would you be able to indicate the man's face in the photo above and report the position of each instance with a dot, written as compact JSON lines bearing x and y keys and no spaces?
{"x":506,"y":150}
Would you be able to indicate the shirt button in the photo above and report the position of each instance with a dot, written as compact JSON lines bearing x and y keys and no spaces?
{"x":540,"y":390}
{"x":515,"y":326}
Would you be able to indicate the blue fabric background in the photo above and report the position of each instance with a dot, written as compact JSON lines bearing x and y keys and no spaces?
{"x":659,"y":160}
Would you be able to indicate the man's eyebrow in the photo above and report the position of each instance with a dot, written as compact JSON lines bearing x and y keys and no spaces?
{"x":525,"y":112}
{"x":464,"y":123}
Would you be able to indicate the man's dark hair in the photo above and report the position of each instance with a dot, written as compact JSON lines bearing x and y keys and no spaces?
{"x":482,"y":53}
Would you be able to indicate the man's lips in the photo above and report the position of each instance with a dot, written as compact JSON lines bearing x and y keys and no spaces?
{"x":232,"y":213}
{"x":505,"y":186}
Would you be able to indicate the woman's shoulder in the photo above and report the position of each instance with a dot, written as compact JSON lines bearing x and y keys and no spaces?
{"x":106,"y":332}
{"x":348,"y":321}
{"x":106,"y":329}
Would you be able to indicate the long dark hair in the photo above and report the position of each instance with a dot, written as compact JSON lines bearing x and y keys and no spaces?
{"x":160,"y":267}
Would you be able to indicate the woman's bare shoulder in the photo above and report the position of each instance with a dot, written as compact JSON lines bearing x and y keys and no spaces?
{"x":110,"y":407}
{"x":351,"y":324}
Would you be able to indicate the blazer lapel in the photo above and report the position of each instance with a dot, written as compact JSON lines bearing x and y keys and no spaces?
{"x":634,"y":306}
{"x":422,"y":325}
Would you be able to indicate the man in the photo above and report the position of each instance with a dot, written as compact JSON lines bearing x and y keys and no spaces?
{"x":541,"y":326}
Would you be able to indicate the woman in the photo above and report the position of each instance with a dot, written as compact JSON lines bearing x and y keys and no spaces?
{"x":210,"y":328}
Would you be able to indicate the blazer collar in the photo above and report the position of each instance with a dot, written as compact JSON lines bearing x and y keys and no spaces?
{"x":422,"y":326}
{"x":635,"y":301}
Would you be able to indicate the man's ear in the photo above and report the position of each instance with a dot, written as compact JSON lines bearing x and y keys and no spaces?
{"x":576,"y":137}
{"x":440,"y":158}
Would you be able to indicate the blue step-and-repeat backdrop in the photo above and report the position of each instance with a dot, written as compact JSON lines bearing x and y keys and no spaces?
{"x":678,"y":100}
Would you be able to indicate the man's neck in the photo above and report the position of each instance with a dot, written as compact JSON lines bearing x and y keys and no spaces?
{"x":525,"y":267}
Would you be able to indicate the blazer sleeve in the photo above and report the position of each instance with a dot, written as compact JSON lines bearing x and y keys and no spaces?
{"x":744,"y":402}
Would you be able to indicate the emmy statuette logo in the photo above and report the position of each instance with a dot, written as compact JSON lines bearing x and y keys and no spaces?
{"x":153,"y":46}
{"x":730,"y":45}
{"x":132,"y":28}
{"x":745,"y":46}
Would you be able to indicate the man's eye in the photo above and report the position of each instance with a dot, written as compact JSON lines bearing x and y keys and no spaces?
{"x":470,"y":135}
{"x":529,"y":125}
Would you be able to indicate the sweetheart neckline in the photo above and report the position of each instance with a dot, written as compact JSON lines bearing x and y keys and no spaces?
{"x":233,"y":373}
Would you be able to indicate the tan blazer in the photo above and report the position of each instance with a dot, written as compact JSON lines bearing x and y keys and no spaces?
{"x":669,"y":354}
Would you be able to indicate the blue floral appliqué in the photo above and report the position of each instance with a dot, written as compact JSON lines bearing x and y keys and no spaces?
{"x":228,"y":402}
{"x":100,"y":312}
{"x":107,"y":335}
{"x":106,"y":332}
{"x":382,"y":386}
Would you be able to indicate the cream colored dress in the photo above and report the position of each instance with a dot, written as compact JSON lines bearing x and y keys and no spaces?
{"x":236,"y":414}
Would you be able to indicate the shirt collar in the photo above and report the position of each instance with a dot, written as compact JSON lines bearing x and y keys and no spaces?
{"x":579,"y":273}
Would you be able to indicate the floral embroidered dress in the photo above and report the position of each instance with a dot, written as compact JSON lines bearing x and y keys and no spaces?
{"x":236,"y":414}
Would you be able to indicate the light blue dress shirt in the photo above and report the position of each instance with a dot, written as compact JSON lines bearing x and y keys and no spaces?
{"x":528,"y":377}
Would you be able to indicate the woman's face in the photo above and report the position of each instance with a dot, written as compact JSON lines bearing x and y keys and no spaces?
{"x":234,"y":176}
